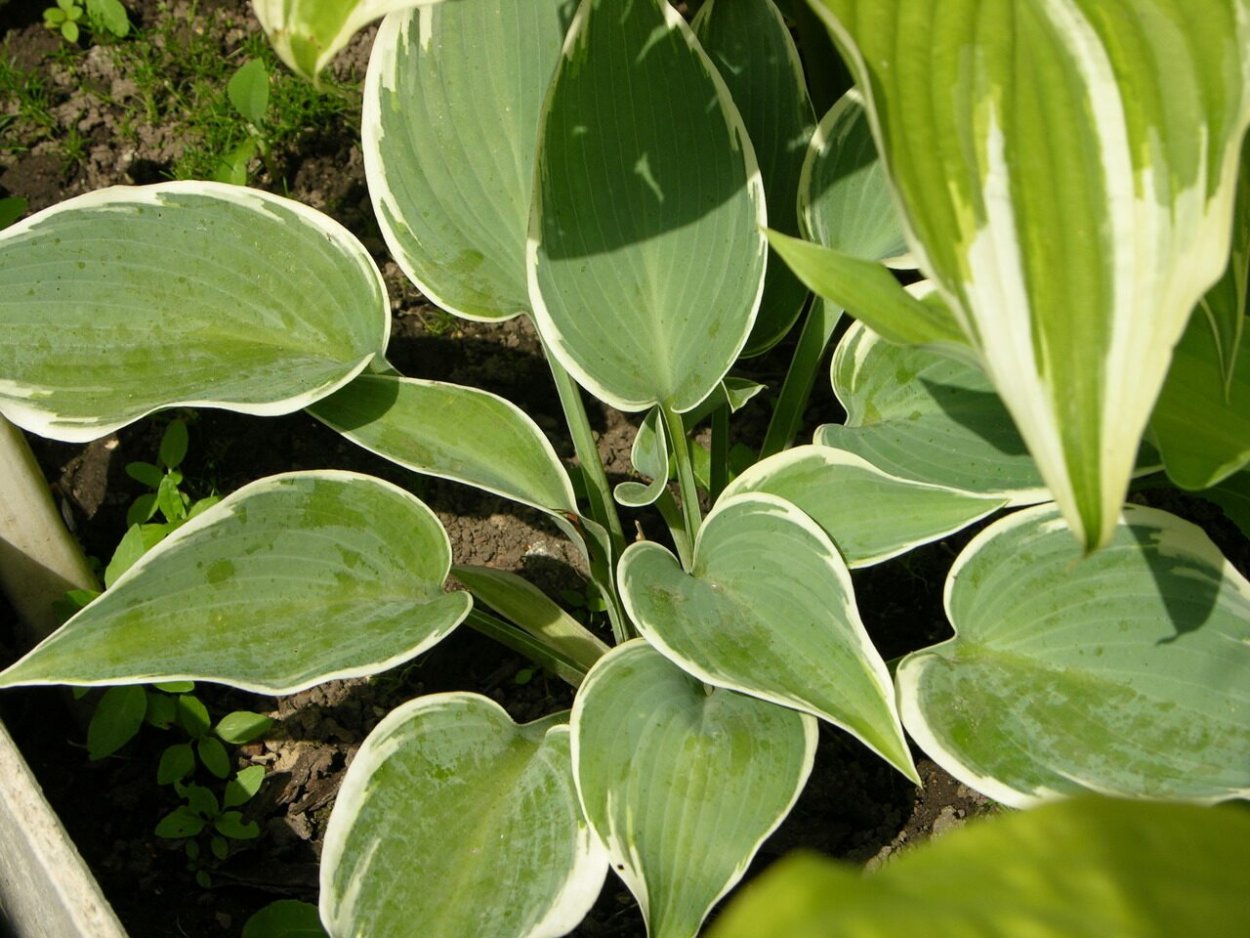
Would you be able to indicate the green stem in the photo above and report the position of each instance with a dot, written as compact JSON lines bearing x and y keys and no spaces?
{"x":817,"y":330}
{"x":598,"y":491}
{"x":718,"y":473}
{"x":685,"y":473}
{"x":676,"y":527}
{"x":526,"y":644}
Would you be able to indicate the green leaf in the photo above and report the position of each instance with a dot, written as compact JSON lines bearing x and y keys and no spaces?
{"x":116,"y":721}
{"x":844,"y":197}
{"x":199,"y":799}
{"x":137,"y":541}
{"x":1122,"y":672}
{"x":1085,"y":868}
{"x":868,"y":291}
{"x":242,"y":726}
{"x":12,"y":208}
{"x":145,"y":473}
{"x":646,"y":259}
{"x":449,"y":131}
{"x":161,"y":711}
{"x":244,"y":786}
{"x":682,"y":785}
{"x":1224,"y":305}
{"x":1233,"y":497}
{"x":177,"y":762}
{"x":139,"y":513}
{"x":527,"y":606}
{"x":1201,"y":425}
{"x":170,"y":500}
{"x":285,"y":918}
{"x":454,"y":821}
{"x":248,"y":90}
{"x":921,"y":415}
{"x":768,"y":610}
{"x":110,"y":15}
{"x":127,"y":300}
{"x":175,"y":687}
{"x":231,"y":824}
{"x":291,"y":581}
{"x":181,"y":822}
{"x":452,"y":432}
{"x":233,"y":165}
{"x":213,"y":756}
{"x":752,"y":49}
{"x":870,"y":515}
{"x":649,"y":455}
{"x":306,"y":34}
{"x":174,"y":442}
{"x":193,"y":715}
{"x":1151,"y":99}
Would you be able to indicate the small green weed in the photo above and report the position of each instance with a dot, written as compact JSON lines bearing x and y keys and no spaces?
{"x":102,"y":18}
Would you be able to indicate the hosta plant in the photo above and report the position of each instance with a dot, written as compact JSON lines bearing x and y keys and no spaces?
{"x":616,"y":174}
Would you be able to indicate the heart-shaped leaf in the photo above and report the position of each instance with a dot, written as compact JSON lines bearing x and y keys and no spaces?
{"x":453,"y":432}
{"x":449,"y":131}
{"x":127,"y":300}
{"x":768,"y":610}
{"x":1123,"y":672}
{"x":751,"y":46}
{"x":681,"y":784}
{"x":290,"y":581}
{"x":922,"y":415}
{"x":452,"y":820}
{"x":646,"y":258}
{"x":870,"y":515}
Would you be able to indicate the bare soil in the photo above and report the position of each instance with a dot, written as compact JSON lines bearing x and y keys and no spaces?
{"x":854,"y":806}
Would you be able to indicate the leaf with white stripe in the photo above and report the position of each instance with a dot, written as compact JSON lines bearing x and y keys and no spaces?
{"x":1072,"y":268}
{"x":1124,"y":672}
{"x":767,"y":609}
{"x":920,"y":415}
{"x":751,"y":46}
{"x":870,"y":515}
{"x":291,"y":581}
{"x":646,"y":257}
{"x":682,"y":784}
{"x":307,"y":34}
{"x":130,"y":299}
{"x":449,"y":131}
{"x":845,"y":202}
{"x":452,"y":821}
{"x":452,"y":432}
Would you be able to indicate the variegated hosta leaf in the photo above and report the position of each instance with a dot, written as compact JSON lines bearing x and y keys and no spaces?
{"x":751,"y":46}
{"x":453,"y":432}
{"x":290,"y":581}
{"x":130,"y":299}
{"x":924,"y":416}
{"x":449,"y":130}
{"x":844,"y":197}
{"x":1201,"y":425}
{"x":768,"y":610}
{"x":1083,"y":868}
{"x":1224,"y":306}
{"x":452,"y":821}
{"x":681,"y":784}
{"x":870,"y":515}
{"x":306,"y":34}
{"x":1073,"y":268}
{"x":1125,"y":672}
{"x":646,"y":258}
{"x":649,"y":455}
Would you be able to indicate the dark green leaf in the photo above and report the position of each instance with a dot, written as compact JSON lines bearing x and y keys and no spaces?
{"x":146,"y":473}
{"x":177,"y":762}
{"x":193,"y":715}
{"x":232,"y":825}
{"x":181,"y":822}
{"x":11,"y":209}
{"x":286,"y":918}
{"x":116,"y":720}
{"x":248,"y":90}
{"x":213,"y":754}
{"x":243,"y":786}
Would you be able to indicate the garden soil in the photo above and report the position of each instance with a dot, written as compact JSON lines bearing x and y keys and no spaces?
{"x":854,"y":807}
